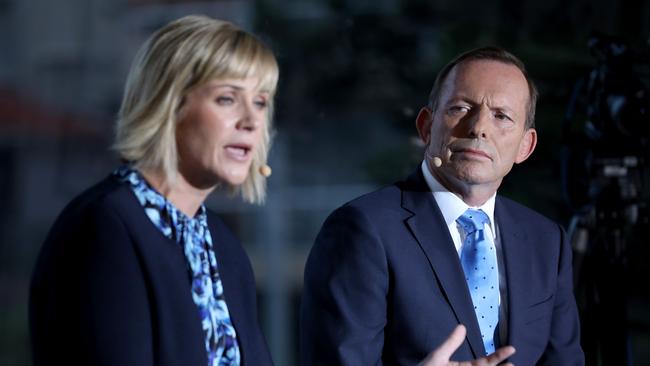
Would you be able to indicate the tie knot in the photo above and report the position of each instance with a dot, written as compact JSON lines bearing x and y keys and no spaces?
{"x":473,"y":220}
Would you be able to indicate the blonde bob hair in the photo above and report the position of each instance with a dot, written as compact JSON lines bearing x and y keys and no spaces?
{"x":183,"y":55}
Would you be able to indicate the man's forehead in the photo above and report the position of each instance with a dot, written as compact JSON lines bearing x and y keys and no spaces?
{"x":497,"y":69}
{"x":493,"y":75}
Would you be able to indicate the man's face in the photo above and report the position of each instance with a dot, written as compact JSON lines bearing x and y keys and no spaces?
{"x":477,"y":129}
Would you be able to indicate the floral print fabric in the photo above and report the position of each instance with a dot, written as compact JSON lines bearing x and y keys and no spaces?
{"x":194,"y":236}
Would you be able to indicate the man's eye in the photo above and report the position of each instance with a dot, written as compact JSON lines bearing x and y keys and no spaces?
{"x":458,"y":109}
{"x":502,"y":117}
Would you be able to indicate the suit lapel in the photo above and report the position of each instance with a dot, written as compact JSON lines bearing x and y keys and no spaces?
{"x":517,"y":263}
{"x":229,"y":269}
{"x":428,"y":227}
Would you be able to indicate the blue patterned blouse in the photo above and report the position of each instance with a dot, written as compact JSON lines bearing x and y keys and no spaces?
{"x":194,"y":236}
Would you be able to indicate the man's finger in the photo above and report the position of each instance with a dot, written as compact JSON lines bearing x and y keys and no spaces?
{"x":451,"y":344}
{"x":500,"y":355}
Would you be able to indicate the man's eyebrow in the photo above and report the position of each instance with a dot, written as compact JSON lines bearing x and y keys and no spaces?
{"x":460,"y":98}
{"x":503,"y":108}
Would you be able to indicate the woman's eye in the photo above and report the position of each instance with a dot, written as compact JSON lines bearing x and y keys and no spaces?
{"x":225,"y":100}
{"x":261,"y":104}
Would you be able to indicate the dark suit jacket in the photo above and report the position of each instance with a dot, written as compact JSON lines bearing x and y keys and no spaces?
{"x":110,"y":289}
{"x":384,"y":284}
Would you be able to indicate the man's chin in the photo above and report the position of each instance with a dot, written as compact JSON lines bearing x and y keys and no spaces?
{"x":469,"y":171}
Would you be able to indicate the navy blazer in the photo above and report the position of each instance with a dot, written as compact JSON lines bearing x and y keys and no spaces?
{"x":110,"y":289}
{"x":384,"y":284}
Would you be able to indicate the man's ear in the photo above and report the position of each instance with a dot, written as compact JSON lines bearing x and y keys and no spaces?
{"x":423,"y":124}
{"x":527,"y":145}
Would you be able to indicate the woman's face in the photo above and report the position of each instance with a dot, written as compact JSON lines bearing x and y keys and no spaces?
{"x":221,"y":124}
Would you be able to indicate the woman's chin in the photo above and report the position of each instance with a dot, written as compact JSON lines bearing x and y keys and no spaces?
{"x":235,"y":177}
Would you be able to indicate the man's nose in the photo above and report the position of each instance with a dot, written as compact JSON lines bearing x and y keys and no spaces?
{"x":478,"y":122}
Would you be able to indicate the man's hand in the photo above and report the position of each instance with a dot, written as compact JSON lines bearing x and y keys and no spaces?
{"x":440,"y":356}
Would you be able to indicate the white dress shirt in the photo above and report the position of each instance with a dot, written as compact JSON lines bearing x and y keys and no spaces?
{"x":452,"y":207}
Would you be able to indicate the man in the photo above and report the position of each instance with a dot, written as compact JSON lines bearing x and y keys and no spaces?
{"x":392,"y":273}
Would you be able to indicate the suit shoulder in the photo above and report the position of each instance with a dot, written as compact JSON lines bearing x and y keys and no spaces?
{"x":106,"y":197}
{"x":104,"y":193}
{"x":89,"y":219}
{"x":524,"y":213}
{"x":387,"y":197}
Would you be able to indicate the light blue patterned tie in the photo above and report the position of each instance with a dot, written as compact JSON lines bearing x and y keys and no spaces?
{"x":479,"y":261}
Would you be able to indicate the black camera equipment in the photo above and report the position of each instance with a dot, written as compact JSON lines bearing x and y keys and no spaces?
{"x":606,"y":133}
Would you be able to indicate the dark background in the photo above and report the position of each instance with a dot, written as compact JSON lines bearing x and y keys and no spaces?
{"x":353,"y":77}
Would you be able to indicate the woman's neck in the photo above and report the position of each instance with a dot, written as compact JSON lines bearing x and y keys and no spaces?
{"x":181,"y":194}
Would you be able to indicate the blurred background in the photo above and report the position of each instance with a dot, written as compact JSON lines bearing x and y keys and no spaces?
{"x":354,"y":74}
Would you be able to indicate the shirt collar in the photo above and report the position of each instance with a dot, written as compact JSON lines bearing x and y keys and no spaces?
{"x":451,"y":205}
{"x":151,"y":199}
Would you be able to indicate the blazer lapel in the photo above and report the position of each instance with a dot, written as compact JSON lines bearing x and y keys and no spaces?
{"x":428,"y":227}
{"x":517,"y":262}
{"x":229,"y":269}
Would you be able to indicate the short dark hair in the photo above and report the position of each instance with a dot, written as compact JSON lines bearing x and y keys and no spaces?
{"x":493,"y":54}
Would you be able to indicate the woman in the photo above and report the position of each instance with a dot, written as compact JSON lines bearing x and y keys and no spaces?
{"x":136,"y":271}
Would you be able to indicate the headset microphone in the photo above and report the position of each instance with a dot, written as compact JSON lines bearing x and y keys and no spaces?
{"x":265,"y":170}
